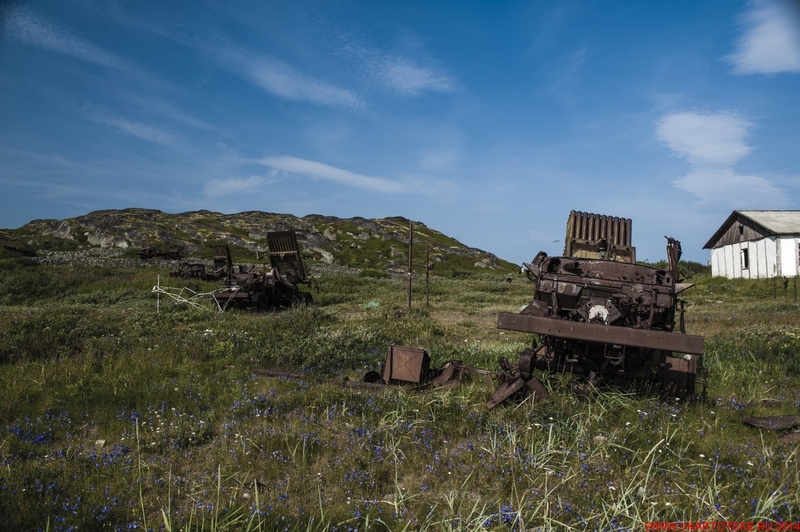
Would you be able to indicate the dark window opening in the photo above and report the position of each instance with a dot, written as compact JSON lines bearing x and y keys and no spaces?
{"x":745,"y":259}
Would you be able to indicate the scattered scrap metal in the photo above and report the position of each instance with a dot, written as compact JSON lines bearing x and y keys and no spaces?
{"x":600,"y":315}
{"x":773,"y":422}
{"x":403,"y":365}
{"x":156,"y":253}
{"x":518,"y":381}
{"x":180,"y":296}
{"x":777,"y":423}
{"x":248,"y":288}
{"x":412,"y":365}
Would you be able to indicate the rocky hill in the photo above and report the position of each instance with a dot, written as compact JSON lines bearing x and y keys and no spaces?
{"x":378,"y":245}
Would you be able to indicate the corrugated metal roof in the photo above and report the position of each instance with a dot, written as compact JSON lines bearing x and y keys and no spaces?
{"x":779,"y":222}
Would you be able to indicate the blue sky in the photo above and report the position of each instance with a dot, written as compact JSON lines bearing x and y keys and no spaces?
{"x":488,"y":121}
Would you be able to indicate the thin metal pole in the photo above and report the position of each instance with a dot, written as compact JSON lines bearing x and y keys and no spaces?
{"x":427,"y":275}
{"x":410,"y":250}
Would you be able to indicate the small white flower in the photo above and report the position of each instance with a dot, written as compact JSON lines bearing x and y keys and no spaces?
{"x":702,"y":455}
{"x":749,"y":462}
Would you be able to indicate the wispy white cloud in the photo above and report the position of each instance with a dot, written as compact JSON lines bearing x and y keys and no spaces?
{"x":401,"y":74}
{"x":314,"y":169}
{"x":133,"y":128}
{"x":441,"y":159}
{"x":567,"y":69}
{"x":705,"y":138}
{"x":27,"y":27}
{"x":726,"y":186}
{"x":406,"y":78}
{"x":770,"y":43}
{"x":156,"y":105}
{"x":285,"y":81}
{"x":427,"y":185}
{"x":223,"y":187}
{"x":713,"y":143}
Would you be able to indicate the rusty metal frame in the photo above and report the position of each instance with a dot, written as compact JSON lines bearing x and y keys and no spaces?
{"x":587,"y":332}
{"x":592,"y":235}
{"x":406,"y":364}
{"x":284,"y":255}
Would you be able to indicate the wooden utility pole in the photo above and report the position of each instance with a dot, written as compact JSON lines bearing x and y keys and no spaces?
{"x":410,"y":250}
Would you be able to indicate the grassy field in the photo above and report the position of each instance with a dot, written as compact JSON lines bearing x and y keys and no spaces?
{"x":115,"y":417}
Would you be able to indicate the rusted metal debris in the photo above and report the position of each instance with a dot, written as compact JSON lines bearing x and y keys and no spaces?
{"x":597,"y":313}
{"x":773,"y":422}
{"x":777,"y":423}
{"x":191,"y":270}
{"x":518,"y":381}
{"x":251,"y":287}
{"x":222,"y":267}
{"x":156,"y":253}
{"x":246,"y":287}
{"x":412,"y":365}
{"x":406,"y":364}
{"x":277,"y":373}
{"x":403,"y":365}
{"x":792,"y":437}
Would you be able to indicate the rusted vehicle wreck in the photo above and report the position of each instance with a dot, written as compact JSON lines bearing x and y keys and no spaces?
{"x":262,"y":290}
{"x":600,"y":315}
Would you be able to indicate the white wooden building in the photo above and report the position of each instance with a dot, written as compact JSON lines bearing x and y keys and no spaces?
{"x":757,"y":244}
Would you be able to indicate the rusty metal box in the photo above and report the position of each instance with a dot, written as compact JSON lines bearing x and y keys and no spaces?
{"x":406,"y":364}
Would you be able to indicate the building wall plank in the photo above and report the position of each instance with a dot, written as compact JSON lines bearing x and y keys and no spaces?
{"x":741,"y":230}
